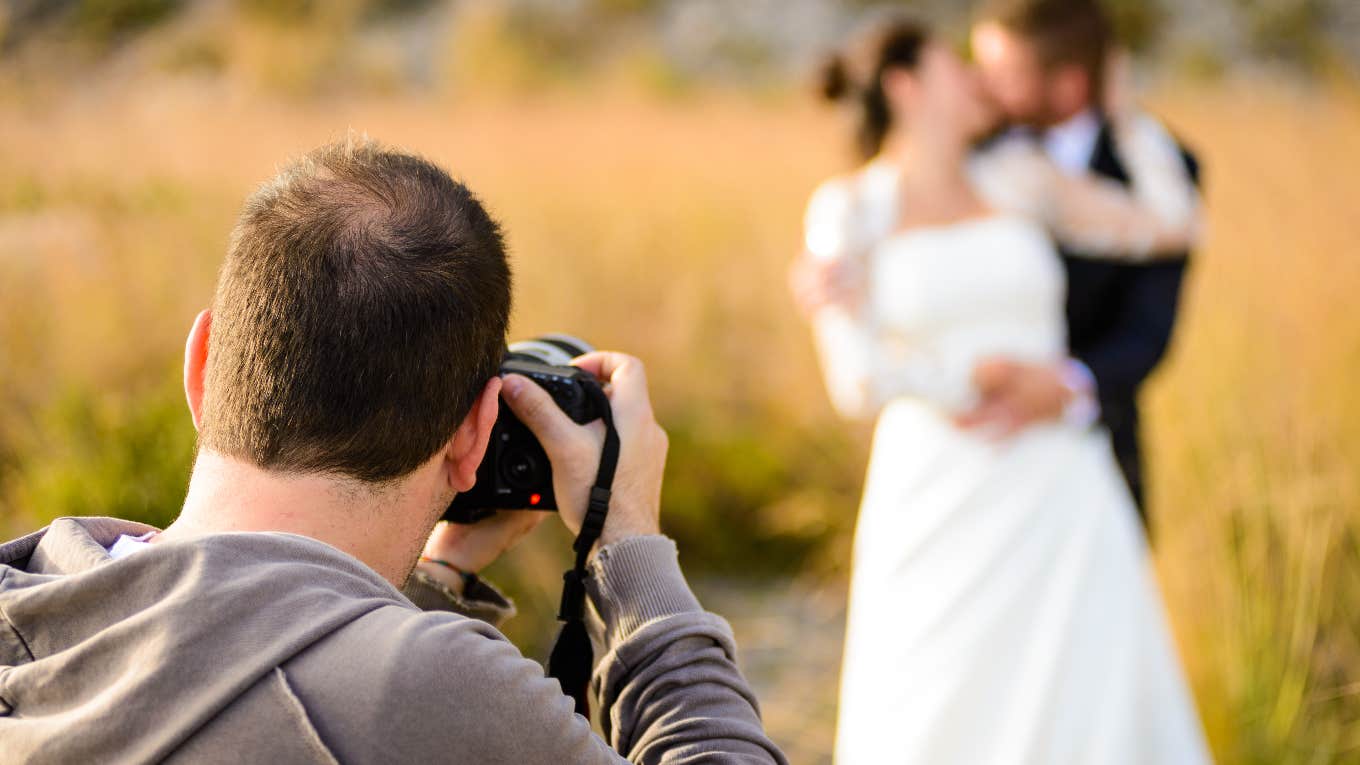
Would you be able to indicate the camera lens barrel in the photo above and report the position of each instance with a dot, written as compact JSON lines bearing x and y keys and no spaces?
{"x":553,"y":349}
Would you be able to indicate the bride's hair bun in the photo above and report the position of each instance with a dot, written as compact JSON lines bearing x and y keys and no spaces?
{"x":833,"y":78}
{"x":855,"y":75}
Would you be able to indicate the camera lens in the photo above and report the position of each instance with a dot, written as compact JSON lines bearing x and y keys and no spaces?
{"x":519,"y":469}
{"x":556,"y":349}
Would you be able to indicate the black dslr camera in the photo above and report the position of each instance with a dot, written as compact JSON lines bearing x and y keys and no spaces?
{"x":515,"y":474}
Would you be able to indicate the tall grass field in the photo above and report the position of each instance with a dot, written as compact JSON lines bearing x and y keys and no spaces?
{"x":663,"y":225}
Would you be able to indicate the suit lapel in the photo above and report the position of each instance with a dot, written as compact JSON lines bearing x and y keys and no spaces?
{"x":1104,"y":160}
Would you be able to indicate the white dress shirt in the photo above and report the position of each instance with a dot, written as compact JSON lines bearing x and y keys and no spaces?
{"x":1071,"y":144}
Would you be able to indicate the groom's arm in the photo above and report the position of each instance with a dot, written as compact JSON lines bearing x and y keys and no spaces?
{"x":1127,"y":353}
{"x":1148,"y":301}
{"x":1016,"y":394}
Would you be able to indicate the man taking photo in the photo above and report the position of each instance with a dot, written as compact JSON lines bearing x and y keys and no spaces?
{"x":344,"y":389}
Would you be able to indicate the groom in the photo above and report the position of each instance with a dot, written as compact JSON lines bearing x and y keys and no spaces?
{"x":1044,"y":63}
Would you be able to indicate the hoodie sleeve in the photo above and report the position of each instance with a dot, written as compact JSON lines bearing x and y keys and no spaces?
{"x":399,"y":685}
{"x":668,"y":685}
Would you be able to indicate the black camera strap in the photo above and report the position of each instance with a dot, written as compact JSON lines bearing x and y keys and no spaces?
{"x":572,"y":656}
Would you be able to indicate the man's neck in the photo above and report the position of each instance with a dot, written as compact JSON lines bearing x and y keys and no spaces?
{"x":384,"y":527}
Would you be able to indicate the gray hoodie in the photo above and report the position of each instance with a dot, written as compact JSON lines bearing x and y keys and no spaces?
{"x":272,"y":647}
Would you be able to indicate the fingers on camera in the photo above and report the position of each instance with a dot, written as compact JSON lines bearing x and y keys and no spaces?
{"x":536,"y":408}
{"x":626,"y":375}
{"x":603,"y":364}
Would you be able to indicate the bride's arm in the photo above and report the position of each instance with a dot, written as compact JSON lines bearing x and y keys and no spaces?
{"x":1157,"y":215}
{"x":862,"y":370}
{"x":829,"y":284}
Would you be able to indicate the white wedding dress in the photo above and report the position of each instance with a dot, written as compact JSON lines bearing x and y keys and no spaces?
{"x":1002,"y":605}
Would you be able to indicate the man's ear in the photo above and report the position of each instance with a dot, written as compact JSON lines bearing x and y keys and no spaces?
{"x":468,"y":445}
{"x":195,"y":364}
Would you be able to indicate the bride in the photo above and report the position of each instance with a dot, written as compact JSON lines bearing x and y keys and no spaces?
{"x":1002,"y":607}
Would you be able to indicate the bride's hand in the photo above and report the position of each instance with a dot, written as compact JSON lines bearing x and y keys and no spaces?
{"x":818,"y":283}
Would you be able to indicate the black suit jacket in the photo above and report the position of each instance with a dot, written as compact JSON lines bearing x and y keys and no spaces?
{"x":1120,"y":317}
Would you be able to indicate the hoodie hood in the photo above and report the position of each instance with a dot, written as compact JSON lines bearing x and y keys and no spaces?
{"x":123,"y":660}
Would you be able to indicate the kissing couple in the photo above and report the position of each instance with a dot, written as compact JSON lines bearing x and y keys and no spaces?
{"x":993,"y":284}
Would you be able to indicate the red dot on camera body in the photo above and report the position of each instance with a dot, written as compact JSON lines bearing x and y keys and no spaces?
{"x":534,"y":499}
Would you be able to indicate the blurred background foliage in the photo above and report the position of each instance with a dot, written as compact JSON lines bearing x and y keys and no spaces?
{"x":308,"y":46}
{"x":650,"y":160}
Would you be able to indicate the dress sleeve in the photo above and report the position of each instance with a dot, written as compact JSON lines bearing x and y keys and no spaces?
{"x":1158,"y":214}
{"x":843,"y":334}
{"x":863,"y":366}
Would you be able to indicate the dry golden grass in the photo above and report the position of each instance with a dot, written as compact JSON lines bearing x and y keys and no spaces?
{"x":1255,"y":430}
{"x":664,"y":228}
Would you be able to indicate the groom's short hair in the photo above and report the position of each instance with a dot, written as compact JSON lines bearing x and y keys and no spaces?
{"x":1062,"y":31}
{"x":361,"y":309}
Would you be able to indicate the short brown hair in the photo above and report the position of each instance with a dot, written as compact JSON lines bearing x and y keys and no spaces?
{"x":1062,"y":31}
{"x":361,"y":309}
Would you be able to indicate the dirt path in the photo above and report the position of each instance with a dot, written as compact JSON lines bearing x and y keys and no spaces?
{"x":789,"y":636}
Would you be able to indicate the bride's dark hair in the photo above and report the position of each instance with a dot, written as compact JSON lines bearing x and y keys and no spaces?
{"x":855,"y":76}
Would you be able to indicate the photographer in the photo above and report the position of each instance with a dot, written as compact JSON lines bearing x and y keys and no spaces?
{"x":344,"y":387}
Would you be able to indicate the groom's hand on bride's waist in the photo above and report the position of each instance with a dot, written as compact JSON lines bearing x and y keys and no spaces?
{"x":1012,"y":395}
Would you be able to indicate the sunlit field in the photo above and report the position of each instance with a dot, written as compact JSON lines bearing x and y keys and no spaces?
{"x":663,"y":226}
